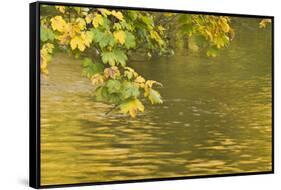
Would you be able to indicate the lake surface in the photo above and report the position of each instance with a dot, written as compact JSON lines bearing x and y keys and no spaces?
{"x":215,"y":119}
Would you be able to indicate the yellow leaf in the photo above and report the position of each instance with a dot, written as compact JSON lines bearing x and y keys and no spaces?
{"x":104,"y":12}
{"x":139,"y":79}
{"x":98,"y":20}
{"x":61,"y":8}
{"x":132,"y":107}
{"x":58,"y":23}
{"x":43,"y":66}
{"x":81,"y":23}
{"x":97,"y":80}
{"x":45,"y":56}
{"x":89,"y":18}
{"x":120,"y":36}
{"x":81,"y":42}
{"x":149,"y":83}
{"x":118,"y":15}
{"x":154,"y":35}
{"x":77,"y":42}
{"x":225,"y":27}
{"x":264,"y":22}
{"x":161,"y":28}
{"x":87,"y":38}
{"x":140,"y":82}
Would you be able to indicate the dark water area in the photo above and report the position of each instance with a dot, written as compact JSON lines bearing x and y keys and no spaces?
{"x":215,"y":119}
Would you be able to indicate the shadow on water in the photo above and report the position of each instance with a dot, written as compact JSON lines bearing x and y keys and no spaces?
{"x":215,"y":119}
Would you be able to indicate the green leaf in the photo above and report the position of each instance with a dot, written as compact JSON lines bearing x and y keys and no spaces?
{"x":148,"y":21}
{"x":107,"y":40}
{"x":187,"y":29}
{"x":131,"y":106}
{"x":46,"y":34}
{"x":114,"y":57}
{"x":185,"y":19}
{"x":129,"y":90}
{"x":113,"y":86}
{"x":102,"y":95}
{"x":120,"y":56}
{"x":91,"y":68}
{"x":132,"y":14}
{"x":108,"y":57}
{"x":130,"y":41}
{"x":103,"y":38}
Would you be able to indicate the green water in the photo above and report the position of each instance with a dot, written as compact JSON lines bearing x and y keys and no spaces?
{"x":215,"y":119}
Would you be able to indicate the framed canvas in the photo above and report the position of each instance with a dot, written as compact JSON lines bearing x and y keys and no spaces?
{"x":123,"y":94}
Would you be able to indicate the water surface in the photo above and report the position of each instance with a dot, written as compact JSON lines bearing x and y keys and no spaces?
{"x":215,"y":119}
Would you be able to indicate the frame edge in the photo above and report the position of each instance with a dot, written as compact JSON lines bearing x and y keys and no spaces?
{"x":34,"y":142}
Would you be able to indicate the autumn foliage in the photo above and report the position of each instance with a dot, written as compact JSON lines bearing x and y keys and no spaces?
{"x":104,"y":39}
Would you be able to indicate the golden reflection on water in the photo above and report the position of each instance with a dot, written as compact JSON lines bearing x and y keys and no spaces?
{"x":216,"y":119}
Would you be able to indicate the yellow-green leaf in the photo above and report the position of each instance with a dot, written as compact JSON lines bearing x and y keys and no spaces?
{"x":61,"y":8}
{"x":154,"y":97}
{"x":131,"y":106}
{"x":104,"y":12}
{"x":81,"y":23}
{"x":118,"y":15}
{"x":120,"y":36}
{"x":98,"y":20}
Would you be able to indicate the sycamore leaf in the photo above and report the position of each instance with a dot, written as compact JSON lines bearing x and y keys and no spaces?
{"x":58,"y":23}
{"x":61,"y":8}
{"x":148,"y":21}
{"x":77,"y":42}
{"x":45,"y":56}
{"x":131,"y":106}
{"x":113,"y":86}
{"x":118,"y":15}
{"x":130,"y":41}
{"x":130,"y":73}
{"x":263,"y":23}
{"x":90,"y":68}
{"x":111,"y":72}
{"x":120,"y":36}
{"x":104,"y":12}
{"x":130,"y":90}
{"x":89,"y":18}
{"x":140,"y":80}
{"x":114,"y":57}
{"x":81,"y":23}
{"x":108,"y":57}
{"x":103,"y":38}
{"x":225,"y":27}
{"x":120,"y":57}
{"x":98,"y":20}
{"x":161,"y":28}
{"x":97,"y":79}
{"x":77,"y":9}
{"x":149,"y":83}
{"x":154,"y":97}
{"x":81,"y":42}
{"x":46,"y":34}
{"x":154,"y":35}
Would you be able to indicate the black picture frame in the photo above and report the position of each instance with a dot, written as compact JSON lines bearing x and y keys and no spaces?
{"x":34,"y":94}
